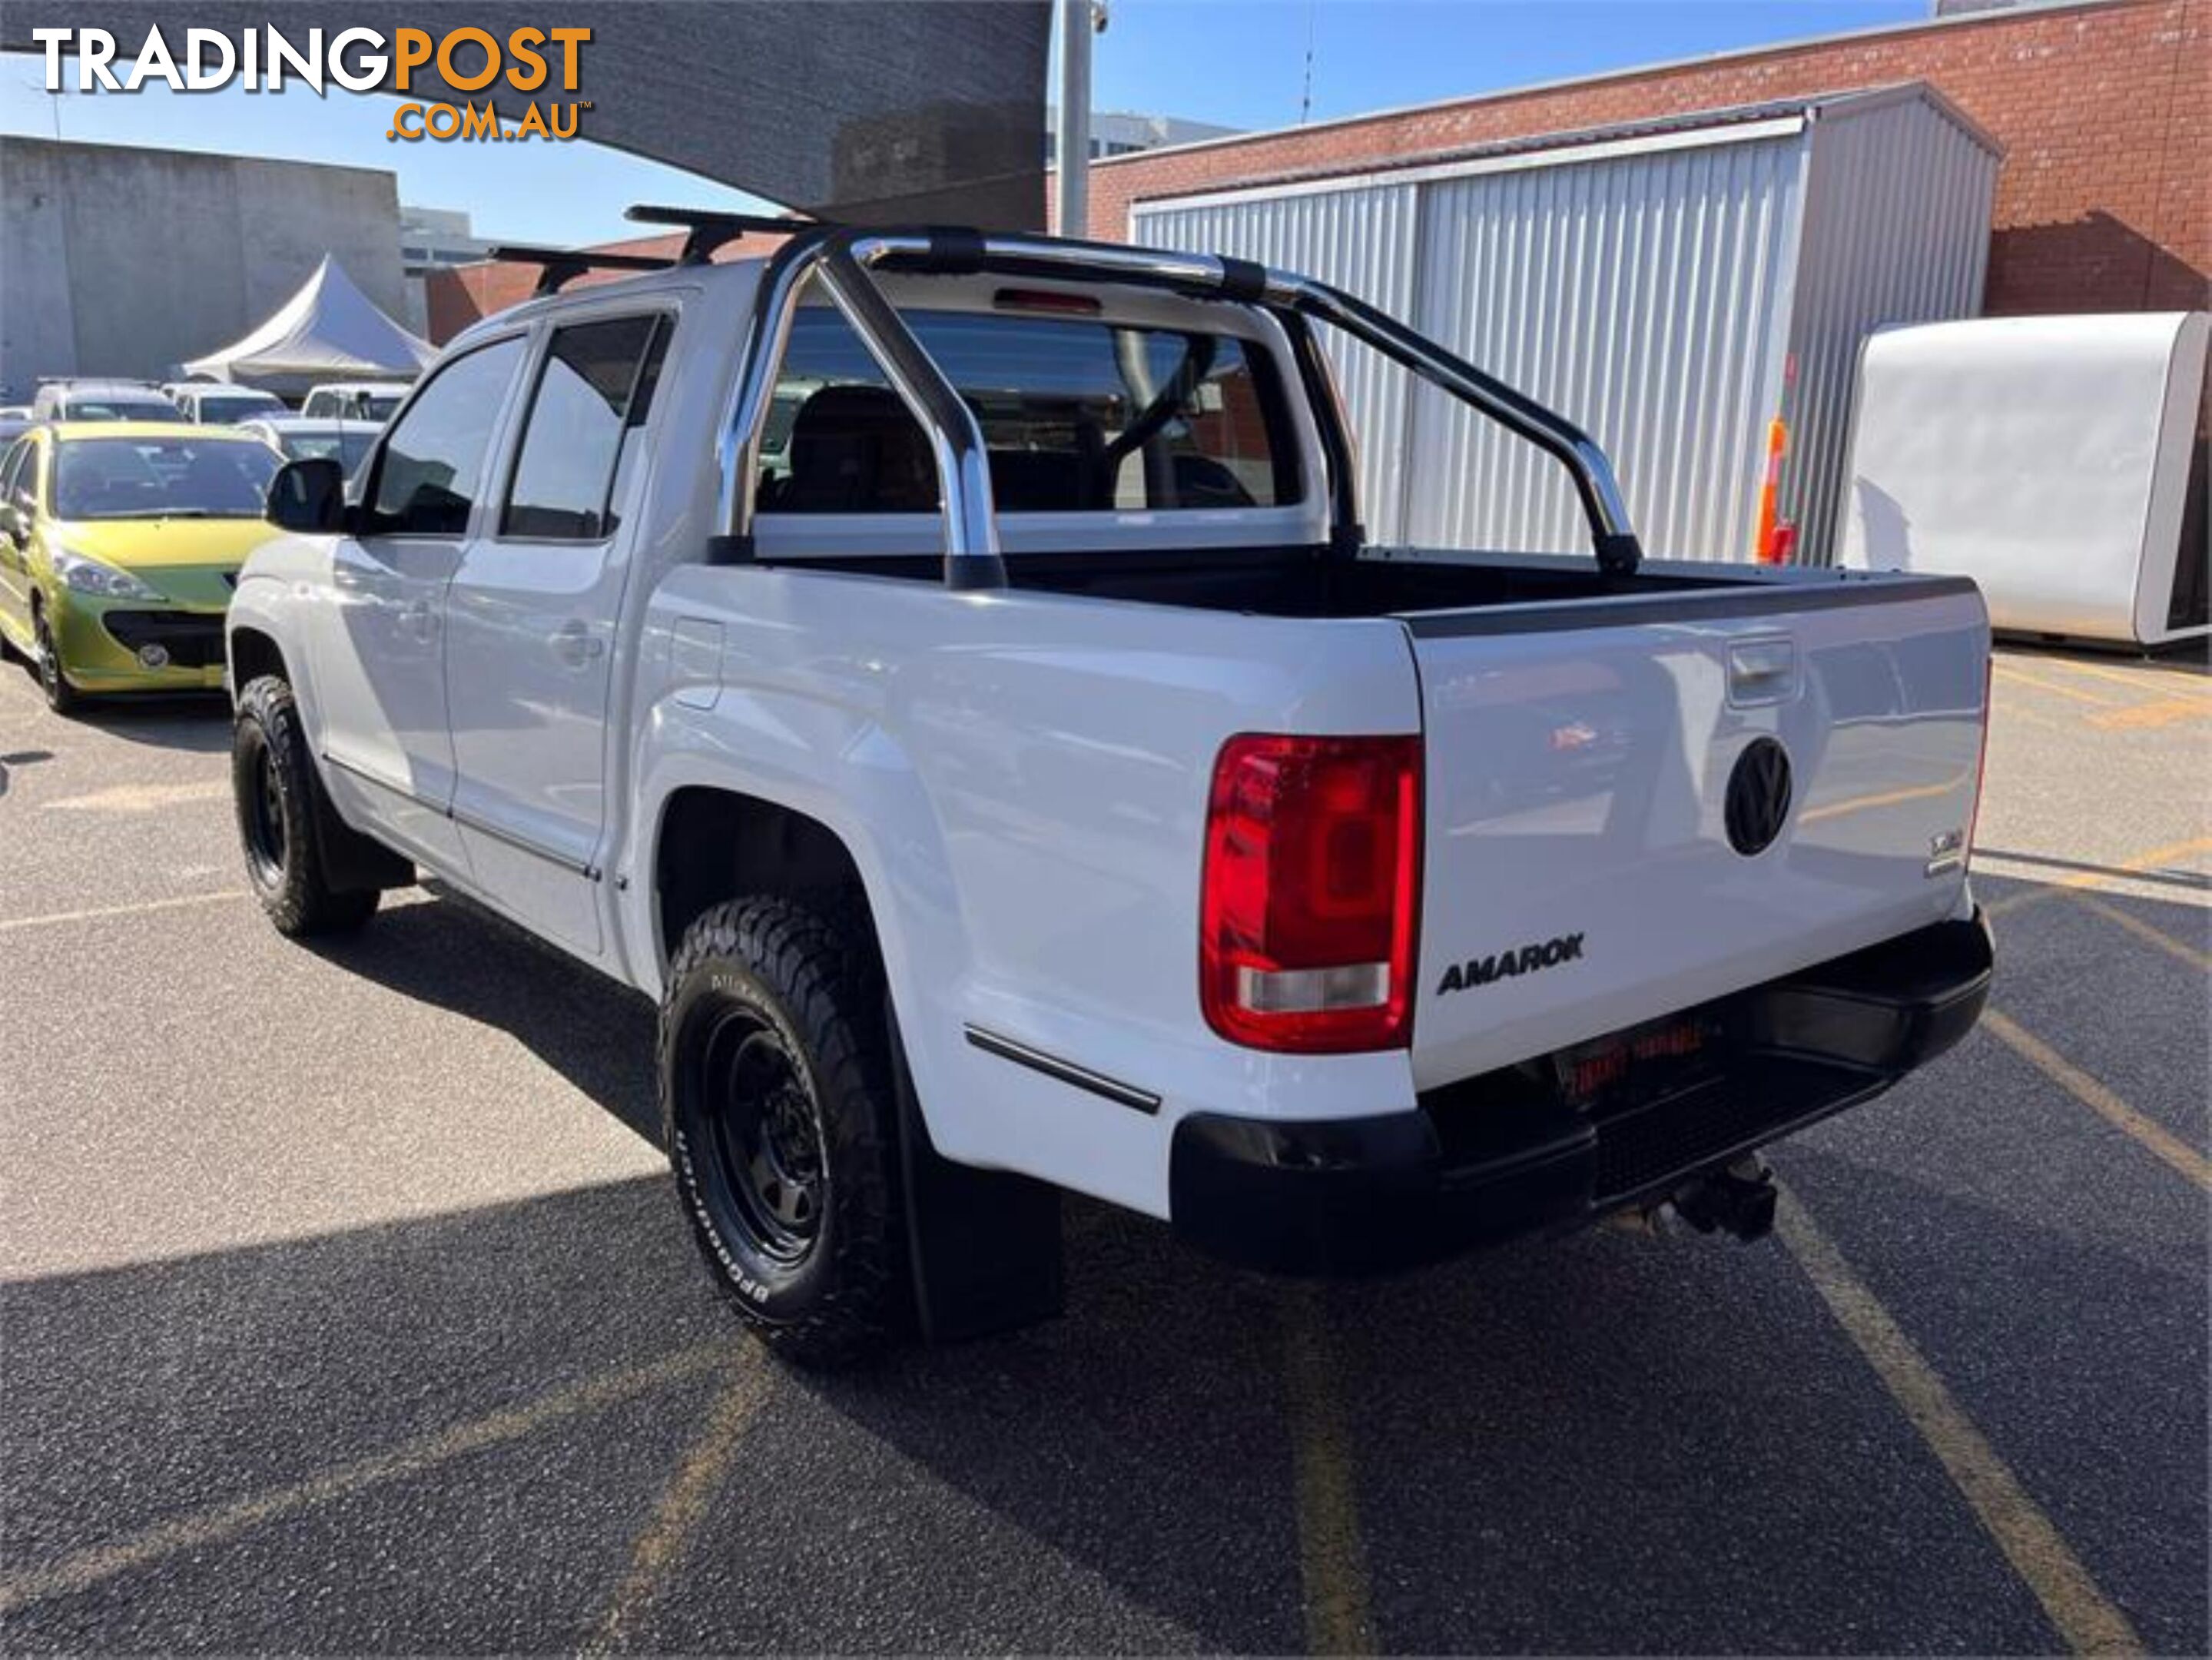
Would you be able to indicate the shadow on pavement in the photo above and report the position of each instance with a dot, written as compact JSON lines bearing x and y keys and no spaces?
{"x":193,"y":721}
{"x":595,"y":1033}
{"x":1600,"y":1444}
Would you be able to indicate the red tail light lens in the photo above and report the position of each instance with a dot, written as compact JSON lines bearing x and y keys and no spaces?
{"x":1311,"y":886}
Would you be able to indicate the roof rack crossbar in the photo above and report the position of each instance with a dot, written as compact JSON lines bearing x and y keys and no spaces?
{"x":709,"y":229}
{"x":560,"y":266}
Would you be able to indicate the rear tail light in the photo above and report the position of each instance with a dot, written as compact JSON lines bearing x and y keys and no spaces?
{"x":1312,"y":885}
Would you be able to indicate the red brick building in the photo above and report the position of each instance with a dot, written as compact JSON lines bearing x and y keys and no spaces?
{"x":457,"y":296}
{"x":2104,"y":108}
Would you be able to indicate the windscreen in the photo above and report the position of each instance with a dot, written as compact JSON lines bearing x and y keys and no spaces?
{"x":1079,"y":415}
{"x":118,"y":409}
{"x":162,"y":478}
{"x":220,"y":411}
{"x":346,"y":448}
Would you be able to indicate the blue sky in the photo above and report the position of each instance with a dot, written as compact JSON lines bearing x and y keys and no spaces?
{"x":1241,"y":62}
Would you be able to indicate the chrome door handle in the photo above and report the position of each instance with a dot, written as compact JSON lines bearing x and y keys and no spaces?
{"x":575,"y":644}
{"x":417,"y":618}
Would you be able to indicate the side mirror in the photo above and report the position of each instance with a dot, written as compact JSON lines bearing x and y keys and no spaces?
{"x":12,"y":525}
{"x":308,"y":495}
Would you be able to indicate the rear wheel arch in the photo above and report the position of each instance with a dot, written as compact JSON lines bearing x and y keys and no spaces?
{"x":712,"y":845}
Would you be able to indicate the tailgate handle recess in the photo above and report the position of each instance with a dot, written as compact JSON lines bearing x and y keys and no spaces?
{"x":1761,"y":670}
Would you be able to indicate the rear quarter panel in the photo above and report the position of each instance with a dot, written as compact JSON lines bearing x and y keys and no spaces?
{"x":1022,"y":779}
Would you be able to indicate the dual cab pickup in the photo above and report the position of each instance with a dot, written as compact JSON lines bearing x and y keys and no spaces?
{"x":948,"y":672}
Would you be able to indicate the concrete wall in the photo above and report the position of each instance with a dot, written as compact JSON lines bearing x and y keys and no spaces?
{"x":2103,"y":109}
{"x":115,"y":260}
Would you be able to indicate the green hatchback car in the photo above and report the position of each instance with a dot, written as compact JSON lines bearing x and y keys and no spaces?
{"x":120,"y":542}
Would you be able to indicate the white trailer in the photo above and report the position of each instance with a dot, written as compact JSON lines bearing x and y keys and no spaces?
{"x":2053,"y":459}
{"x":1672,"y":286}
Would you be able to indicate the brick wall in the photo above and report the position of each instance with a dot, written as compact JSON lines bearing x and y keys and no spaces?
{"x":2105,"y":110}
{"x":457,"y":296}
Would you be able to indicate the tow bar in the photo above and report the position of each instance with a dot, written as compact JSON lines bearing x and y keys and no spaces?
{"x":1737,"y":1200}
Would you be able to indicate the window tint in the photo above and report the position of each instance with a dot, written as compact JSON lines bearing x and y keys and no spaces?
{"x":1078,"y":415}
{"x":433,"y":463}
{"x":592,"y":398}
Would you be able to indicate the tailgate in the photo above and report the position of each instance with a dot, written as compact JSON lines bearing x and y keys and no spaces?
{"x":1635,"y":805}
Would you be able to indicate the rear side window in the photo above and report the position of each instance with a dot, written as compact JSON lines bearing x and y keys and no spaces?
{"x":433,"y":461}
{"x":1079,"y":415}
{"x":14,"y":474}
{"x":591,"y":402}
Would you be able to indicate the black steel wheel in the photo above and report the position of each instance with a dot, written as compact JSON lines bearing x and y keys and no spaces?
{"x":777,"y":1096}
{"x":769,"y":1178}
{"x":261,"y":811}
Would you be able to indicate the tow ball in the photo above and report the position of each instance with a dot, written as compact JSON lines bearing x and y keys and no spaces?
{"x":1737,"y":1200}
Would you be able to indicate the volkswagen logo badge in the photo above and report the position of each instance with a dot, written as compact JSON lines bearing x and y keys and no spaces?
{"x":1758,"y":796}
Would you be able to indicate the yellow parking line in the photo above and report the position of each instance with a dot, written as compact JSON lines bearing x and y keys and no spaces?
{"x":54,"y":919}
{"x":660,"y":1549}
{"x":86,"y":1568}
{"x":2083,"y":1615}
{"x":2013,"y":672}
{"x":1332,"y":1558}
{"x":2138,"y":717}
{"x":2137,"y":678}
{"x":2160,"y":1140}
{"x":2144,"y":930}
{"x":2082,"y":880}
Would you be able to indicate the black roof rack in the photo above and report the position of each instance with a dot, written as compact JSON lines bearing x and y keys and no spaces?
{"x":710,"y":229}
{"x":560,"y":266}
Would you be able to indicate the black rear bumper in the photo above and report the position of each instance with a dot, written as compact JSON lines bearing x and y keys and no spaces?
{"x":1506,"y":1154}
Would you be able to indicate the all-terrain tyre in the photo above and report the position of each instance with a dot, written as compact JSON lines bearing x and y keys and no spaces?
{"x":277,"y":795}
{"x":778,"y":1110}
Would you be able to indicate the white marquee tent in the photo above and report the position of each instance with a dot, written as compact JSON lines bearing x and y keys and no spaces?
{"x":330,"y":330}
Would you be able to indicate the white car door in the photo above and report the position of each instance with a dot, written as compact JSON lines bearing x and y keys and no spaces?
{"x":378,"y":709}
{"x":532,"y":625}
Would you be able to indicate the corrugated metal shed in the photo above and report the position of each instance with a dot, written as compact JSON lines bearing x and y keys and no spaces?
{"x":1671,"y":285}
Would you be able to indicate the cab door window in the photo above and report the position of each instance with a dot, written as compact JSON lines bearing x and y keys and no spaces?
{"x":432,"y":467}
{"x":590,"y":406}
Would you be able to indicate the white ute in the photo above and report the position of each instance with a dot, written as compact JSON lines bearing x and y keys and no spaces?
{"x":1021,"y":775}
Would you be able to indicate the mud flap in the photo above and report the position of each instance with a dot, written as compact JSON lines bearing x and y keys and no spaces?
{"x":984,"y":1244}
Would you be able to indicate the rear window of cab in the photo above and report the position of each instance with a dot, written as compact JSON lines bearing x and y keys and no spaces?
{"x":1079,"y":415}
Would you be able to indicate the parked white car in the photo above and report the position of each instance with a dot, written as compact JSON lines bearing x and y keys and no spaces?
{"x":220,"y":404}
{"x":1036,"y":783}
{"x":373,"y":401}
{"x":300,"y":437}
{"x":100,"y":400}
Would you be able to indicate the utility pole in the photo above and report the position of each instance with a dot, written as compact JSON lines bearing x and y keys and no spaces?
{"x":1078,"y":19}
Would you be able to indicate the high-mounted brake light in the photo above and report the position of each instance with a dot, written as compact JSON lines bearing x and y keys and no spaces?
{"x":1310,"y":892}
{"x":1046,"y":300}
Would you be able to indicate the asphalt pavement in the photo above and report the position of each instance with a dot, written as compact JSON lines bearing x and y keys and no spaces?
{"x":344,"y":1307}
